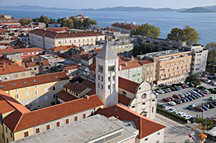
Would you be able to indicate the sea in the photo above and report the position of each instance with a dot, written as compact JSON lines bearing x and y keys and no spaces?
{"x":204,"y":23}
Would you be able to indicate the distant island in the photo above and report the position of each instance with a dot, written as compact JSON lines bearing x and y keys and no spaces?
{"x":207,"y":9}
{"x":199,"y":10}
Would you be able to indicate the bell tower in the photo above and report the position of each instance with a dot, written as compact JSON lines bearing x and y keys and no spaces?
{"x":107,"y":76}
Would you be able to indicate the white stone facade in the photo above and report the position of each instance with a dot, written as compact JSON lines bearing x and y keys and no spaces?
{"x":47,"y":42}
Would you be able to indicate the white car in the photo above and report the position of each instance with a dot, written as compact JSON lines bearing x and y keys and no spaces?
{"x":172,"y":103}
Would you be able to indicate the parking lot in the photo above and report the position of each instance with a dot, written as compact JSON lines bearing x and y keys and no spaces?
{"x":189,"y":102}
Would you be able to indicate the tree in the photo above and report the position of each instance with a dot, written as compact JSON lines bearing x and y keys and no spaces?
{"x":176,"y":34}
{"x":43,"y":19}
{"x":147,"y":30}
{"x":194,"y":79}
{"x":211,"y":46}
{"x":191,"y":35}
{"x":187,"y":34}
{"x":25,"y":21}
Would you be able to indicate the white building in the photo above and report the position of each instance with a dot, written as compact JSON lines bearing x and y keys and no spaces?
{"x":53,"y":38}
{"x":107,"y":76}
{"x":138,"y":97}
{"x":199,"y":58}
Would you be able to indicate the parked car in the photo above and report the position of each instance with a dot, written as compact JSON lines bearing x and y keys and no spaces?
{"x":172,"y":103}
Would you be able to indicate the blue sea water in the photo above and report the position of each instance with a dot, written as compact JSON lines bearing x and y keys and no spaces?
{"x":205,"y":23}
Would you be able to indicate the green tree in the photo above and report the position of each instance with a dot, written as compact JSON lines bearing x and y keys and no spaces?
{"x":66,"y":22}
{"x":147,"y":30}
{"x":194,"y":79}
{"x":25,"y":21}
{"x":176,"y":34}
{"x":212,"y":56}
{"x":187,"y":34}
{"x":191,"y":35}
{"x":43,"y":19}
{"x":211,"y":46}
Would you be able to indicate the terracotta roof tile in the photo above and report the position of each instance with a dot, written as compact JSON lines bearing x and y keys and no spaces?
{"x":78,"y":85}
{"x":63,"y":48}
{"x":12,"y":102}
{"x":5,"y":107}
{"x":21,"y":50}
{"x":128,"y":85}
{"x":31,"y":81}
{"x":7,"y":67}
{"x":17,"y":121}
{"x":131,"y":63}
{"x":145,"y":126}
{"x":64,"y":96}
{"x":53,"y":34}
{"x":124,"y":100}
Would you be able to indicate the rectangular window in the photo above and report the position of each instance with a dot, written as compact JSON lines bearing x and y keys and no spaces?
{"x":108,"y":86}
{"x":58,"y":124}
{"x":111,"y":68}
{"x":84,"y":116}
{"x":109,"y":79}
{"x":48,"y":127}
{"x":37,"y":130}
{"x":76,"y":118}
{"x":26,"y":134}
{"x":100,"y":68}
{"x":67,"y":121}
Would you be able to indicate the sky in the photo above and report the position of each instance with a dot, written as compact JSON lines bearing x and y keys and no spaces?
{"x":110,"y":3}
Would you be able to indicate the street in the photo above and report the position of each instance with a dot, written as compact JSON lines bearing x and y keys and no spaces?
{"x":174,"y":132}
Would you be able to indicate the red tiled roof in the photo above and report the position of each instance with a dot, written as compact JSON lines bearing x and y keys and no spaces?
{"x":64,"y":96}
{"x":13,"y":103}
{"x":128,"y":85}
{"x":31,"y":81}
{"x":71,"y":67}
{"x":132,"y":63}
{"x":5,"y":107}
{"x":63,"y":48}
{"x":21,"y":50}
{"x":17,"y":121}
{"x":2,"y":30}
{"x":53,"y":34}
{"x":124,"y":100}
{"x":58,"y":29}
{"x":145,"y":126}
{"x":7,"y":67}
{"x":78,"y":86}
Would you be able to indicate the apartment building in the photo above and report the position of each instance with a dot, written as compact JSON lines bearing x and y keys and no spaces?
{"x":172,"y":66}
{"x":54,"y":38}
{"x":199,"y":58}
{"x":10,"y":70}
{"x":36,"y":91}
{"x":137,"y":70}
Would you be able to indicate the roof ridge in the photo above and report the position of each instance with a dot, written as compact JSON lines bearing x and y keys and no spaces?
{"x":53,"y":106}
{"x":19,"y":120}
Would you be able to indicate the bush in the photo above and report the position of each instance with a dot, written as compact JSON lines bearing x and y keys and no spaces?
{"x":170,"y":115}
{"x":206,"y":123}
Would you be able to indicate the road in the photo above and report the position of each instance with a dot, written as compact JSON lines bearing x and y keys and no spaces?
{"x":174,"y":132}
